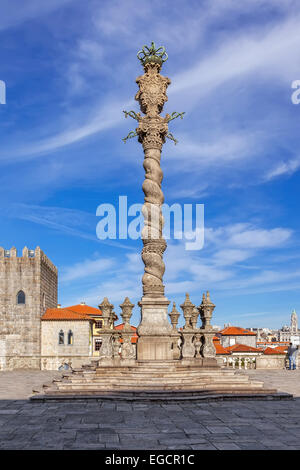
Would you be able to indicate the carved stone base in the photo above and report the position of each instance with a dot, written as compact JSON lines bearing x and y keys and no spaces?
{"x":154,"y":317}
{"x":155,"y":332}
{"x":200,"y":362}
{"x":154,"y":348}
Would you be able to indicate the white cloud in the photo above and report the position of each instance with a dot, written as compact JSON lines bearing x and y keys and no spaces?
{"x":260,"y":238}
{"x":86,"y":268}
{"x":284,"y":168}
{"x":104,"y":118}
{"x":217,"y":267}
{"x":261,"y":51}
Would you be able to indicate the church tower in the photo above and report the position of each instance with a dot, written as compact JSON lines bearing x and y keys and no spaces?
{"x":294,"y":323}
{"x":28,"y":286}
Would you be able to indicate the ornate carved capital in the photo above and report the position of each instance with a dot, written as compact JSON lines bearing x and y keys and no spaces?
{"x":152,"y":90}
{"x":152,"y":131}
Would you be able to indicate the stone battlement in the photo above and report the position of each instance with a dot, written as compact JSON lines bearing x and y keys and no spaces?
{"x":36,"y":254}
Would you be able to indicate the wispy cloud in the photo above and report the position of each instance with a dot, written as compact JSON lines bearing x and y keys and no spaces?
{"x":63,"y":220}
{"x":86,"y":268}
{"x":284,"y":168}
{"x":218,"y":265}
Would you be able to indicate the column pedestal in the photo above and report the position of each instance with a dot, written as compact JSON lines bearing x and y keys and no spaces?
{"x":155,"y":332}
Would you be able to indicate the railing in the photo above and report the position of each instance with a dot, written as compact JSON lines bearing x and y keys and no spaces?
{"x":239,"y":362}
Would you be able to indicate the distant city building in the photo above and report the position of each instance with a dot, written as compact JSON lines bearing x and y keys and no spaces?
{"x":232,"y":335}
{"x":286,"y":332}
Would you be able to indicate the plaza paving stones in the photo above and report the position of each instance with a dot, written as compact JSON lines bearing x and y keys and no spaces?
{"x":91,"y":425}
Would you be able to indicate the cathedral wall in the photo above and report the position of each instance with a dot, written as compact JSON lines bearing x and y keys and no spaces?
{"x":20,"y":323}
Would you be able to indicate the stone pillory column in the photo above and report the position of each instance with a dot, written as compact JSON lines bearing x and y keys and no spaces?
{"x":155,"y":331}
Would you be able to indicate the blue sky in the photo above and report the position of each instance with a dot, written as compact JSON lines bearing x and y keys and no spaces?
{"x":70,"y":69}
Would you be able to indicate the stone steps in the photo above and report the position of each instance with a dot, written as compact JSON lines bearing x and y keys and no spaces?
{"x":152,"y":381}
{"x":126,"y":388}
{"x":163,"y":395}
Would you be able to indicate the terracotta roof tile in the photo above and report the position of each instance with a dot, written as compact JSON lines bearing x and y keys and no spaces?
{"x":85,"y":309}
{"x":75,"y":312}
{"x":243,"y":348}
{"x":277,"y":350}
{"x":63,"y":314}
{"x":236,"y":330}
{"x":219,"y":348}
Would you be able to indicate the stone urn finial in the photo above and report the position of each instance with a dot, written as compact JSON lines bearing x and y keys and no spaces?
{"x":187,"y":308}
{"x":174,"y":315}
{"x":206,"y":310}
{"x":126,"y":307}
{"x":194,"y":318}
{"x":107,"y":312}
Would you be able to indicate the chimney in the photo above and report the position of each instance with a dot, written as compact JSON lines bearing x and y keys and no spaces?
{"x":82,"y":303}
{"x":58,"y":305}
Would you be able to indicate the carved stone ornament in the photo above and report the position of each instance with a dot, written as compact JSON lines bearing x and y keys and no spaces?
{"x":188,"y":347}
{"x":206,"y":310}
{"x":208,"y":349}
{"x":116,"y":345}
{"x":174,"y":315}
{"x":107,"y":346}
{"x":198,"y":345}
{"x":187,"y":308}
{"x":128,"y":350}
{"x":126,"y":307}
{"x":107,"y":313}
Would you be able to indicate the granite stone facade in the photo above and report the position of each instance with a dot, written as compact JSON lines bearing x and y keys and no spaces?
{"x":65,"y":344}
{"x":28,"y":286}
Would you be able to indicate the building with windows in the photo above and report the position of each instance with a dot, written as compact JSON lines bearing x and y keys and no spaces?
{"x":72,"y":336}
{"x":28,"y":286}
{"x":35,"y":332}
{"x":233,"y":335}
{"x":67,"y":338}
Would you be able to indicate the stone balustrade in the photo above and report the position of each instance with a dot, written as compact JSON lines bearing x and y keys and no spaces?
{"x":240,"y":362}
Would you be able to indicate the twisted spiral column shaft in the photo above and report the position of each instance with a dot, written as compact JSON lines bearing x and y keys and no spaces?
{"x":152,"y":131}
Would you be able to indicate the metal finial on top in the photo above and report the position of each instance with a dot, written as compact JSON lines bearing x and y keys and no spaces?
{"x":152,"y":54}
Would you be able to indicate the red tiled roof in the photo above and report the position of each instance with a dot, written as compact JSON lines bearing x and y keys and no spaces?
{"x":236,"y":330}
{"x":219,"y":348}
{"x":75,"y":312}
{"x":243,"y":348}
{"x":63,"y":314}
{"x":85,"y":309}
{"x":277,"y":350}
{"x":134,"y":337}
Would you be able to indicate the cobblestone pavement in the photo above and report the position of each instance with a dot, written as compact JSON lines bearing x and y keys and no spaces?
{"x":120,"y":425}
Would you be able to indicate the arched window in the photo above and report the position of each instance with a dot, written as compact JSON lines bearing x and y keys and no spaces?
{"x":70,"y":337}
{"x":61,"y":337}
{"x":20,"y":297}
